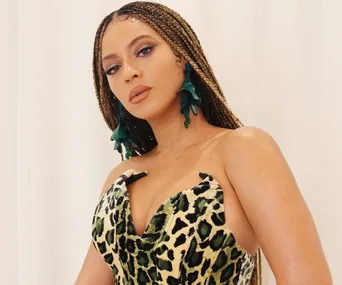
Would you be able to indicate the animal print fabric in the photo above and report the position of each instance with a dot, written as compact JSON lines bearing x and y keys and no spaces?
{"x":186,"y":241}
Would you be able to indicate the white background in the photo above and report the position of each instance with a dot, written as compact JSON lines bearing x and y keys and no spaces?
{"x":278,"y":62}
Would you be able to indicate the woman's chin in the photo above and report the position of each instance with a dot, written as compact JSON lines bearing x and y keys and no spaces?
{"x":145,"y":116}
{"x":150,"y":110}
{"x":148,"y":114}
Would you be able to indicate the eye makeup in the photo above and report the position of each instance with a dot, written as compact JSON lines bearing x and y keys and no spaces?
{"x":149,"y":50}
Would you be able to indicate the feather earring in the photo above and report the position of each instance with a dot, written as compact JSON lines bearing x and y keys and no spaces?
{"x":190,"y":99}
{"x":121,"y":135}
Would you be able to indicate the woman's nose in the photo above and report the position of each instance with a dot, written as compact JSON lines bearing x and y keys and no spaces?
{"x":130,"y":72}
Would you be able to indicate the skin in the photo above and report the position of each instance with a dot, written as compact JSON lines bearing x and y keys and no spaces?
{"x":260,"y":210}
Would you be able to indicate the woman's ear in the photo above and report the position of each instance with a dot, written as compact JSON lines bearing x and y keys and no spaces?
{"x":184,"y":62}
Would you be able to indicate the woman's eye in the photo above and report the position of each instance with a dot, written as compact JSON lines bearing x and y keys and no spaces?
{"x":109,"y":71}
{"x":145,"y":49}
{"x":115,"y":68}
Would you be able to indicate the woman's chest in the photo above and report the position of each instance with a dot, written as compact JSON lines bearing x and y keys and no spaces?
{"x":165,"y":180}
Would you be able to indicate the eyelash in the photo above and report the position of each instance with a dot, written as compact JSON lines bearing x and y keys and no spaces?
{"x":108,"y":72}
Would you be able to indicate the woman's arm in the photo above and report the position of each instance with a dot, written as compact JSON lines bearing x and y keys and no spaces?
{"x":94,"y":269}
{"x":274,"y":206}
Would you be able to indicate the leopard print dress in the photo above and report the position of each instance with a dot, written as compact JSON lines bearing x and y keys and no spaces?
{"x":186,"y":241}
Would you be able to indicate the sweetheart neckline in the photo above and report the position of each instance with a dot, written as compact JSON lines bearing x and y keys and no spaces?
{"x":166,"y":201}
{"x":125,"y":177}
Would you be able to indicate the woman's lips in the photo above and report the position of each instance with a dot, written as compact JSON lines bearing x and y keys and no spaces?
{"x":137,"y":90}
{"x":141,"y":96}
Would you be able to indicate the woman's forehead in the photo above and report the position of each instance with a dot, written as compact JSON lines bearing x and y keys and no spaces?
{"x":122,"y":32}
{"x":119,"y":28}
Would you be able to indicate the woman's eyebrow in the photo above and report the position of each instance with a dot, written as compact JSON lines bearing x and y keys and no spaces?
{"x":133,"y":42}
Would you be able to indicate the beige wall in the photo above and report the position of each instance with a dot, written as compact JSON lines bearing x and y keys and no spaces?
{"x":279,"y":63}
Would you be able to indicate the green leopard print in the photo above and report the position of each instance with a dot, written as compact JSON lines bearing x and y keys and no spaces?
{"x":186,"y":241}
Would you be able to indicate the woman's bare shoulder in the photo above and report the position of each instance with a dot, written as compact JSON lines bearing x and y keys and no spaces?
{"x":232,"y":136}
{"x":115,"y":173}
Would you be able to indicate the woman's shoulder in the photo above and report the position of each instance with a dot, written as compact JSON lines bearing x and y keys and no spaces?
{"x":244,"y":133}
{"x":234,"y":146}
{"x":114,"y":174}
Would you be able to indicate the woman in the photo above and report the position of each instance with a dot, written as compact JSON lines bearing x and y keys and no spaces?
{"x":198,"y":194}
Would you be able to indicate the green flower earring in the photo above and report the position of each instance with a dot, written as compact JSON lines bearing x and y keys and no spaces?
{"x":190,"y":98}
{"x":121,"y":135}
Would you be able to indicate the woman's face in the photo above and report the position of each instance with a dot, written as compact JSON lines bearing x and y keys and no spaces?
{"x":147,"y":61}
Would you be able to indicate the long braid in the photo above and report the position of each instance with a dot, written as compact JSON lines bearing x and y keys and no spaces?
{"x":184,"y":42}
